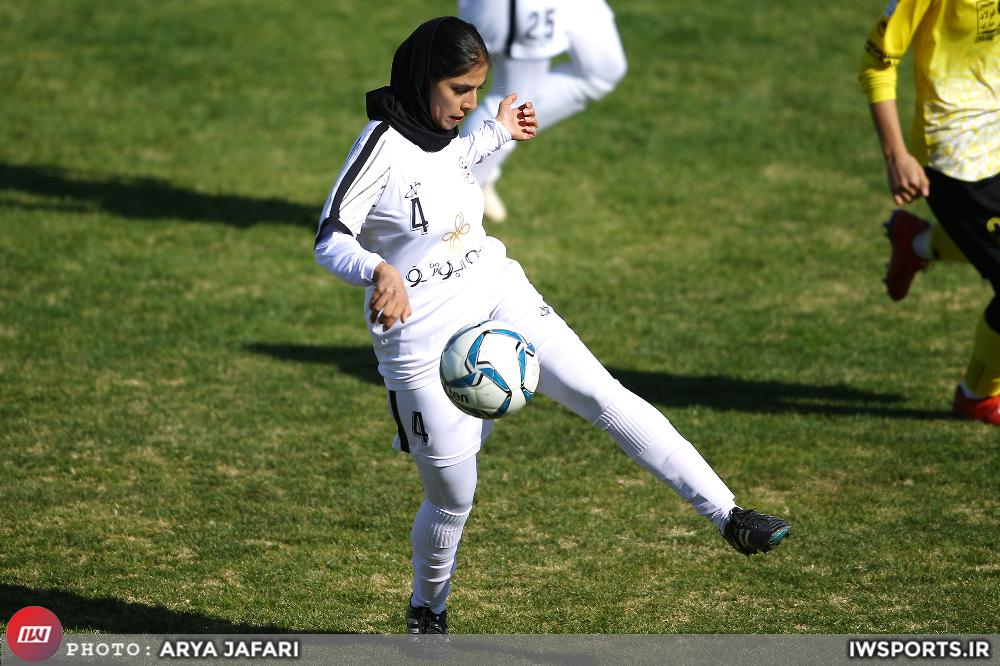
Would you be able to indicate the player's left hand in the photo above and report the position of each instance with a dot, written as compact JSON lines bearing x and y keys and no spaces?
{"x":907,"y":179}
{"x":520,"y":120}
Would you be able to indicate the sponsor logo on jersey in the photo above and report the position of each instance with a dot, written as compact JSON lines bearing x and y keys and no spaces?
{"x":454,"y":238}
{"x":440,"y":271}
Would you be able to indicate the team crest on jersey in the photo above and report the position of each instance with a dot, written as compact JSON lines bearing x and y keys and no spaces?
{"x":463,"y":164}
{"x":987,"y":20}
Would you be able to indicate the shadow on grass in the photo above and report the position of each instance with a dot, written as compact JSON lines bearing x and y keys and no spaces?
{"x":768,"y":397}
{"x":669,"y":390}
{"x":114,"y":616}
{"x":145,"y":198}
{"x":357,"y":361}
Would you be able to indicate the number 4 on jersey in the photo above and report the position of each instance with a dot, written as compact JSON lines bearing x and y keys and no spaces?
{"x":416,"y":210}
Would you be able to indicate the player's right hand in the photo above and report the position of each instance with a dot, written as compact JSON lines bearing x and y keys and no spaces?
{"x":907,"y":179}
{"x":389,"y":303}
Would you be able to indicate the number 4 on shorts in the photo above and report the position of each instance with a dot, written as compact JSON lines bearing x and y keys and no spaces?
{"x":418,"y":427}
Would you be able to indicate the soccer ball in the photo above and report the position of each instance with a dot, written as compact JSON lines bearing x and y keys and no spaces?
{"x":489,"y":370}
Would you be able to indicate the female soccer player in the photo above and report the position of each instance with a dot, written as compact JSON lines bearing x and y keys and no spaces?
{"x":955,"y":161}
{"x":404,"y":219}
{"x":523,"y":37}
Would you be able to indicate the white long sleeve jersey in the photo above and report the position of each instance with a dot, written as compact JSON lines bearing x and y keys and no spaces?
{"x":421,"y":212}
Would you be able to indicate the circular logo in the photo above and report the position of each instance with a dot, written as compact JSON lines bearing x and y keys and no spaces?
{"x":34,"y":633}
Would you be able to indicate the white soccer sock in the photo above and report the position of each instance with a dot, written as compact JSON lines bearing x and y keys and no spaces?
{"x":922,"y":245}
{"x":436,"y":534}
{"x":650,"y":440}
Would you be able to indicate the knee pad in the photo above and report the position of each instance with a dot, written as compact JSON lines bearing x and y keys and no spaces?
{"x":438,"y":528}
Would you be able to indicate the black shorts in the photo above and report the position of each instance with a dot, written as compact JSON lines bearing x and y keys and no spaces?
{"x":970,"y":213}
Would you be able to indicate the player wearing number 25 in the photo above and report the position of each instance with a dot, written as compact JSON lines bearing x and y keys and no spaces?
{"x":405,"y":220}
{"x":953,"y":159}
{"x":523,"y":38}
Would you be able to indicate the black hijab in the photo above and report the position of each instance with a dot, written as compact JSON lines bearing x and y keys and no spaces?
{"x":405,"y":102}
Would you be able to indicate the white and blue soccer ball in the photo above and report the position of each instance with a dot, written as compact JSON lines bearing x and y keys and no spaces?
{"x":489,"y":370}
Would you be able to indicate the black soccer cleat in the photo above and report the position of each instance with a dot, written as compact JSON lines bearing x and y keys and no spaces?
{"x":424,"y":621}
{"x":749,"y":531}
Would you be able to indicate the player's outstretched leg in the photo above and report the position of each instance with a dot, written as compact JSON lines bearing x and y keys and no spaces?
{"x":573,"y":377}
{"x":904,"y":262}
{"x":650,"y":439}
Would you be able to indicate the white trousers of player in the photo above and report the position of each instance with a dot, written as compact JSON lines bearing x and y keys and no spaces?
{"x":597,"y":63}
{"x":444,"y":441}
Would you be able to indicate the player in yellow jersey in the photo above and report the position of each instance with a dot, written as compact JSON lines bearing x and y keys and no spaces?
{"x":953,"y":159}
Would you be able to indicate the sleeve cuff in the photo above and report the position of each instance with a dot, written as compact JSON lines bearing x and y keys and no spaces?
{"x":501,"y":130}
{"x":368,"y":267}
{"x":878,"y":86}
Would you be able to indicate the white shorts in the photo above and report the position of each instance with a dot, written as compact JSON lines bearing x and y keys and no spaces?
{"x":437,"y":433}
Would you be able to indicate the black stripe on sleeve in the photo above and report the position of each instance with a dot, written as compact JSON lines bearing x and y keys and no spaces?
{"x":332,"y":224}
{"x":404,"y":443}
{"x":367,"y":189}
{"x":345,"y":184}
{"x":511,"y":27}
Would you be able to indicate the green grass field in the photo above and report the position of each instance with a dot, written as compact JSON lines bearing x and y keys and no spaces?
{"x":195,"y":438}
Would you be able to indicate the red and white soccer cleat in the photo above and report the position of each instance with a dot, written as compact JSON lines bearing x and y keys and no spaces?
{"x":904,"y":263}
{"x":986,"y":410}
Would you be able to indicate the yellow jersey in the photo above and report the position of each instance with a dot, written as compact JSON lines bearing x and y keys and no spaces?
{"x":956,"y":63}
